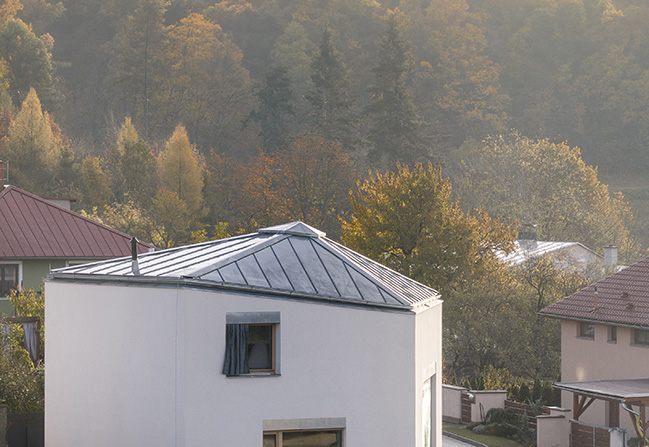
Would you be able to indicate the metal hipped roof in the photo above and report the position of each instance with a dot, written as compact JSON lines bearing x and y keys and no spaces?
{"x":526,"y":249}
{"x":292,"y":259}
{"x":32,"y":227}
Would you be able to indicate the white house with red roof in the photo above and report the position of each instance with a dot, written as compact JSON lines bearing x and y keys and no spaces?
{"x":37,"y":235}
{"x":277,"y":338}
{"x":605,"y":354}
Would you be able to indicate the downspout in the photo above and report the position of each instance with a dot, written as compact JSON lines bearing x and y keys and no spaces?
{"x":639,"y":429}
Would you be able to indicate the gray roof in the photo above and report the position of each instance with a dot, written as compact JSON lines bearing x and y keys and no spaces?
{"x":526,"y":249}
{"x":620,"y":389}
{"x":291,"y":259}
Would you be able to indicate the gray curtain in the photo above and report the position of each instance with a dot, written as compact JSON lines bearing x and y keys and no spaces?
{"x":236,"y":350}
{"x":31,"y":339}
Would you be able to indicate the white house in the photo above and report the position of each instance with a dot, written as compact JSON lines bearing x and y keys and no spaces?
{"x":278,"y":338}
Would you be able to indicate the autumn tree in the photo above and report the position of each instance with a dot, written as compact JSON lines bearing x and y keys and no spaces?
{"x":181,"y":171}
{"x":132,"y":167}
{"x":205,"y":85}
{"x":329,"y":99}
{"x":407,"y":221}
{"x":549,"y":185}
{"x":457,"y":88}
{"x":28,"y":62}
{"x":395,"y":129}
{"x":313,"y":178}
{"x":137,"y":50}
{"x":275,"y":105}
{"x":94,"y":184}
{"x":34,"y":148}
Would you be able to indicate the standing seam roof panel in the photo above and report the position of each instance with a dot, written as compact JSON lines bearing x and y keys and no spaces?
{"x":35,"y":221}
{"x":313,"y":266}
{"x":340,"y":275}
{"x":293,"y":267}
{"x":20,"y":224}
{"x":273,"y":270}
{"x":12,"y":243}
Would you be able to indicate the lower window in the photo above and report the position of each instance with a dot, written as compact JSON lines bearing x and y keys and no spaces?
{"x":307,"y":438}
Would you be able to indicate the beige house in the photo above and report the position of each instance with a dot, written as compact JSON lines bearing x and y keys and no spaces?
{"x":605,"y":356}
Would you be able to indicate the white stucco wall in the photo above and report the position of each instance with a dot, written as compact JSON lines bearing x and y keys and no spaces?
{"x":583,"y":360}
{"x":142,"y":366}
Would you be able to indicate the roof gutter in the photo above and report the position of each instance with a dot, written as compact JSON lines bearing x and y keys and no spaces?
{"x":206,"y":284}
{"x":587,"y":320}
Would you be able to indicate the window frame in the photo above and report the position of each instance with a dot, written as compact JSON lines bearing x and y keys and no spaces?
{"x":273,"y":349}
{"x":259,"y":319}
{"x":586,"y":334}
{"x":19,"y":284}
{"x":612,"y":335}
{"x":279,"y":434}
{"x":636,"y":342}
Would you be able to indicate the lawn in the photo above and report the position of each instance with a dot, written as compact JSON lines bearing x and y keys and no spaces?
{"x":491,"y":441}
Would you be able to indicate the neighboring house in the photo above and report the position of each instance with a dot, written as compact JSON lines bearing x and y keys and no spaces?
{"x":37,"y":235}
{"x":277,"y":338}
{"x":605,"y":349}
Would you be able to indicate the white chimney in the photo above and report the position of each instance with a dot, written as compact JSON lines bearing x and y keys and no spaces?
{"x":610,"y":258}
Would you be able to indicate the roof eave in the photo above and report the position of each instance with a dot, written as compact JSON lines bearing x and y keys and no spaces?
{"x":202,"y":283}
{"x":590,"y":320}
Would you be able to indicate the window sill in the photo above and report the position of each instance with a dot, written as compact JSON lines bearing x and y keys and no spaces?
{"x":612,"y":342}
{"x":585,"y":338}
{"x":639,"y":345}
{"x":254,"y":375}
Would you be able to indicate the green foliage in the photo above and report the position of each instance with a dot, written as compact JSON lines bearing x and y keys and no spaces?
{"x":22,"y":387}
{"x":94,"y":184}
{"x":395,"y":131}
{"x":29,"y":63}
{"x":275,"y":104}
{"x":406,"y":220}
{"x":547,"y":184}
{"x":329,"y":99}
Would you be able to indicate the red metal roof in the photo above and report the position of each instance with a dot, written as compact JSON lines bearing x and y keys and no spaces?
{"x":622,"y":298}
{"x":32,"y":227}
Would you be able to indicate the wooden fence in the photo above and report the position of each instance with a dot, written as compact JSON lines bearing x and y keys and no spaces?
{"x":519,"y":408}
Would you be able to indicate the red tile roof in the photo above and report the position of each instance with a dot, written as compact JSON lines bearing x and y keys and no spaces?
{"x":622,"y":298}
{"x":32,"y":227}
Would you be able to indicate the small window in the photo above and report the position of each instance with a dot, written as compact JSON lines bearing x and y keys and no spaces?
{"x":307,"y":438}
{"x":586,"y":330}
{"x":612,"y":334}
{"x":641,"y":337}
{"x":8,"y":278}
{"x":251,"y":345}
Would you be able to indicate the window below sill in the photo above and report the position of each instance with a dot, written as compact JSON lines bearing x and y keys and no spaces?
{"x":254,"y":375}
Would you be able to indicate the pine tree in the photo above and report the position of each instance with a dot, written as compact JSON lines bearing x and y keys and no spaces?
{"x":137,"y":51}
{"x":181,"y":170}
{"x":330,"y":103}
{"x":275,"y":102}
{"x":395,"y":130}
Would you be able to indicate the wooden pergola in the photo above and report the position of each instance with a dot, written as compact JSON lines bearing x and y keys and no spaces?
{"x":630,"y":395}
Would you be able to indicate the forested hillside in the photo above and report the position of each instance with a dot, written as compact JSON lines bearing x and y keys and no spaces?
{"x":273,"y":109}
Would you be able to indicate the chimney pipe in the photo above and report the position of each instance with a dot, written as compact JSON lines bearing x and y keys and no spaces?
{"x":610,"y":258}
{"x":134,"y":264}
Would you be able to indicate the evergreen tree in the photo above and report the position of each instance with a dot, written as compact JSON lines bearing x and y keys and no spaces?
{"x":137,"y":50}
{"x":275,"y":102}
{"x":395,"y":130}
{"x":330,"y":103}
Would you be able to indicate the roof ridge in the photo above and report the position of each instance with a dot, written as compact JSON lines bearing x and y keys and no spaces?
{"x":46,"y":202}
{"x":272,"y":240}
{"x":342,"y":249}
